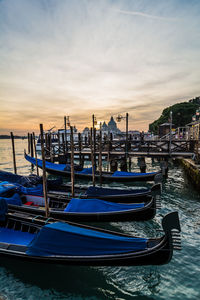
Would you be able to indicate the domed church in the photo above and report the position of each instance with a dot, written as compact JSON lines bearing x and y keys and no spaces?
{"x":111,"y":127}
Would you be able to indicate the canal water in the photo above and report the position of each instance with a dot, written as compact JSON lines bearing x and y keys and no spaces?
{"x":180,"y":279}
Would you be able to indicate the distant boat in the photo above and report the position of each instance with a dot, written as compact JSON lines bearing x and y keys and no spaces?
{"x":57,"y":137}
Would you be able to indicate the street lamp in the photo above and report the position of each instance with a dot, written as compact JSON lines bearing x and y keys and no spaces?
{"x":118,"y":119}
{"x":197,"y":114}
{"x":68,"y":121}
{"x":94,"y":121}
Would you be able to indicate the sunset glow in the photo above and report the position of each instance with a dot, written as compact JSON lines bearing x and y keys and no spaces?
{"x":107,"y":57}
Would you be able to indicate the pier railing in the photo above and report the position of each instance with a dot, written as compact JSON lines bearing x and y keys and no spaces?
{"x":164,"y":148}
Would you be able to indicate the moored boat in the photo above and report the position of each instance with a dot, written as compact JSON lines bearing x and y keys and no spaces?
{"x":58,"y":190}
{"x":27,"y":238}
{"x":86,"y":173}
{"x":89,"y":210}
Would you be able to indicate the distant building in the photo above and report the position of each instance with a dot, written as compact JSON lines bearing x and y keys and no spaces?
{"x":104,"y":126}
{"x":164,"y":129}
{"x":111,"y":127}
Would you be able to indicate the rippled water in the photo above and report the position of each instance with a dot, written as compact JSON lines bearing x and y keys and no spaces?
{"x":180,"y":279}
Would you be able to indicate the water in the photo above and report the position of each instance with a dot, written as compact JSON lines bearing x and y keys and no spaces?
{"x":180,"y":279}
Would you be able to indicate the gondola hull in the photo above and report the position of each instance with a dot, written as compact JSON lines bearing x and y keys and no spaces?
{"x":62,"y":192}
{"x":107,"y":194}
{"x":106,"y":176}
{"x":139,"y":214}
{"x":158,"y":252}
{"x":158,"y":256}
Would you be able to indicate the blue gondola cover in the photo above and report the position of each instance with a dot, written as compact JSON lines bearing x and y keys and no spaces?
{"x":36,"y":190}
{"x":49,"y":165}
{"x":97,"y":206}
{"x":65,"y":239}
{"x":6,"y":187}
{"x":86,"y":171}
{"x":22,"y":180}
{"x":125,"y":174}
{"x":15,"y":199}
{"x":98,"y":191}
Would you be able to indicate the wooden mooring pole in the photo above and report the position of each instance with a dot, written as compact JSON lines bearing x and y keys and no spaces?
{"x":13,"y":152}
{"x":36,"y":161}
{"x":44,"y":172}
{"x":72,"y":159}
{"x":65,"y":134}
{"x":28,"y":143}
{"x":100,"y":155}
{"x":92,"y":157}
{"x":51,"y":148}
{"x":31,"y":147}
{"x":126,"y":153}
{"x":58,"y":142}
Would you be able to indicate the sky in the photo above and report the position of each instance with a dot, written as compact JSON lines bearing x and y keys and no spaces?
{"x":102,"y":57}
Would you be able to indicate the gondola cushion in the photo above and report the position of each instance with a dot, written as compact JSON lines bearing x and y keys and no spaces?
{"x":16,"y":237}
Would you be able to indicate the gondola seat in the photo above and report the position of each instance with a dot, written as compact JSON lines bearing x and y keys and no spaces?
{"x":17,"y":237}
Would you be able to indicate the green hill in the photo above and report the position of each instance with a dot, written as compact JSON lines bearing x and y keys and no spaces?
{"x":181,"y":114}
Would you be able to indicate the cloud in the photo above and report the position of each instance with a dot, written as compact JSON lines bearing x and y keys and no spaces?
{"x":105,"y":57}
{"x":141,"y":14}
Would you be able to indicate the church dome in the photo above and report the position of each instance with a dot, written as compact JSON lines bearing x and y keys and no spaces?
{"x":112,"y":122}
{"x":104,"y":126}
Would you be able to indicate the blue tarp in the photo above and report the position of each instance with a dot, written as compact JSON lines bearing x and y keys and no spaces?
{"x":49,"y":165}
{"x":86,"y":171}
{"x":57,"y":167}
{"x":36,"y":190}
{"x":3,"y":209}
{"x":6,"y":187}
{"x":28,"y":181}
{"x":125,"y":174}
{"x":96,"y":205}
{"x":23,"y":180}
{"x":64,"y":239}
{"x":15,"y":199}
{"x":98,"y":191}
{"x":16,"y":237}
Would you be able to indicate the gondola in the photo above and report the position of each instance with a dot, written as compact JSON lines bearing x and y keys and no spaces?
{"x":78,"y":210}
{"x":60,"y":191}
{"x":86,"y":173}
{"x":27,"y":238}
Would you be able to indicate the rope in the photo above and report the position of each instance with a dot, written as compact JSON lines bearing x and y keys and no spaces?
{"x":33,"y":219}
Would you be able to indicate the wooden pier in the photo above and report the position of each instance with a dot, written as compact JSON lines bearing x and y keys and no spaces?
{"x":117,"y":153}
